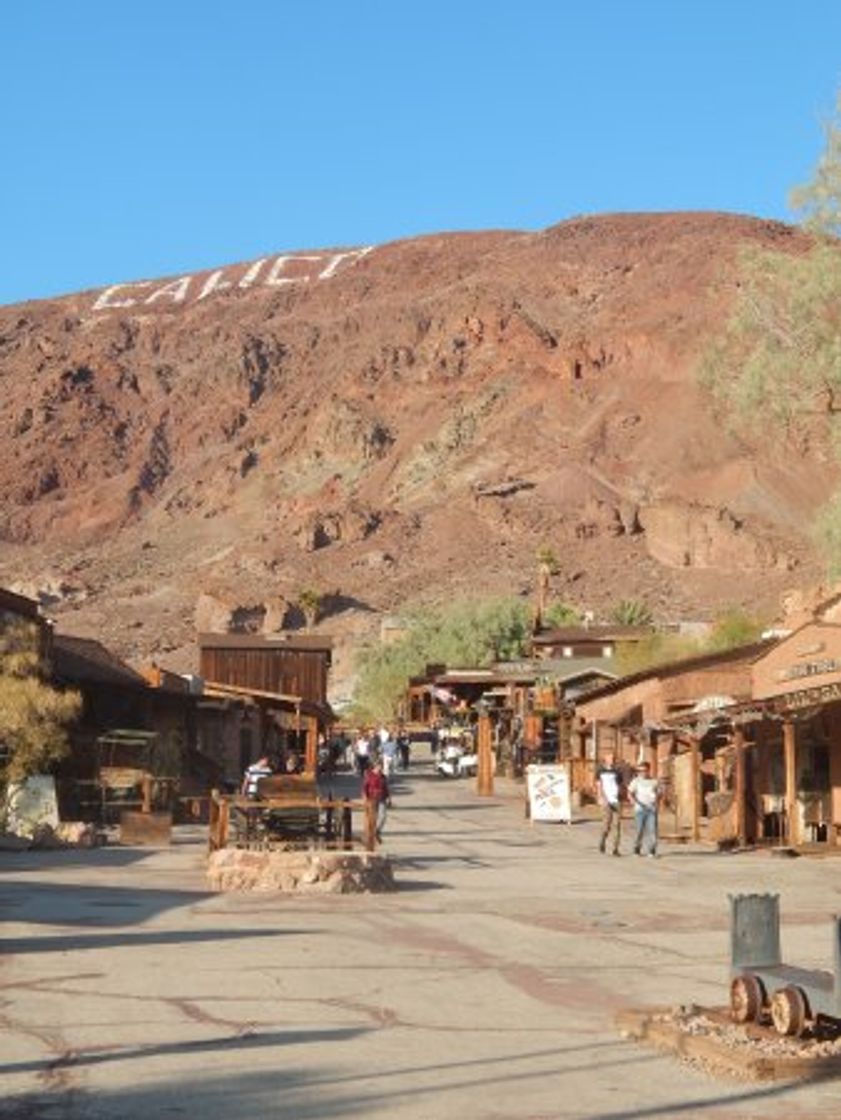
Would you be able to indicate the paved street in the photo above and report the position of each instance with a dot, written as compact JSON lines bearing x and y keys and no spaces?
{"x":484,"y":989}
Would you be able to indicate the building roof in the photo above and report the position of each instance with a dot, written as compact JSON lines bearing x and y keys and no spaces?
{"x":749,"y":653}
{"x":485,"y":676}
{"x":19,"y":604}
{"x":86,"y":661}
{"x":568,"y":668}
{"x":280,"y":641}
{"x":284,"y":701}
{"x":571,"y":634}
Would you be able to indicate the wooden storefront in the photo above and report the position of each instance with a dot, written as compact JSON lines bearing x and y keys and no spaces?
{"x":272,"y":691}
{"x":667,"y":716}
{"x":793,"y":747}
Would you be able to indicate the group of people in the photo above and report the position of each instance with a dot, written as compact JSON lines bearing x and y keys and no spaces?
{"x":376,"y":753}
{"x":264,"y":767}
{"x":643,"y":792}
{"x":392,"y":748}
{"x":374,"y":763}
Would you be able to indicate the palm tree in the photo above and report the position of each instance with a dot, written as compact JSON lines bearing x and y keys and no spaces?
{"x":547,"y":566}
{"x":631,"y":612}
{"x":310,"y":601}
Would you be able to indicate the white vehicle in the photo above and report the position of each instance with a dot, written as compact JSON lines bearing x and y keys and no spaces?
{"x":452,"y":761}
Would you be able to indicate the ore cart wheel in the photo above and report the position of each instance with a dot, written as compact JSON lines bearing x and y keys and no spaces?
{"x":789,"y":1011}
{"x":747,"y":998}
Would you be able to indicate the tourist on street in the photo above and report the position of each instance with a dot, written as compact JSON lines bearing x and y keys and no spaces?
{"x":260,"y":769}
{"x":644,"y":792}
{"x":362,"y":752}
{"x":375,"y":790}
{"x":609,"y":794}
{"x":404,"y":747}
{"x":388,"y":754}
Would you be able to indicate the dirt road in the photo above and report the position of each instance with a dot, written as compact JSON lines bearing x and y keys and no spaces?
{"x":484,"y":989}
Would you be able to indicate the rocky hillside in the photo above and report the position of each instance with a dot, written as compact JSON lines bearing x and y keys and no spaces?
{"x":391,"y":424}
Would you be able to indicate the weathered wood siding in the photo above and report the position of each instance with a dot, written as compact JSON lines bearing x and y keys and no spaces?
{"x":294,"y":672}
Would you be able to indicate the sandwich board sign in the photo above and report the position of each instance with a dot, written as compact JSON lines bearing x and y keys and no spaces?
{"x":548,"y":792}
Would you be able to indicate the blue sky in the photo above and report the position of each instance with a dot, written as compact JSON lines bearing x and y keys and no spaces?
{"x":144,"y":140}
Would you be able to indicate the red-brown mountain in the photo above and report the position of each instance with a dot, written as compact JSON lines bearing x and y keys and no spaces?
{"x":402,"y":423}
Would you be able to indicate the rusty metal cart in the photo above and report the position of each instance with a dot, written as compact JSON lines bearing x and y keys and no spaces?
{"x":762,"y":985}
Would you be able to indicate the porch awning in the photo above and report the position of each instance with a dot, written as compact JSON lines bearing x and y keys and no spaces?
{"x":283,"y":700}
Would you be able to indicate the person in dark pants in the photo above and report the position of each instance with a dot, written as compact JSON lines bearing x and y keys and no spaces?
{"x":609,"y":793}
{"x":376,"y":791}
{"x":403,"y":748}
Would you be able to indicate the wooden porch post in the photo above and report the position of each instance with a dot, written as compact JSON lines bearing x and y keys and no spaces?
{"x":740,"y":790}
{"x":311,"y":749}
{"x":696,"y":788}
{"x":790,"y":759}
{"x":484,"y":769}
{"x":147,"y":793}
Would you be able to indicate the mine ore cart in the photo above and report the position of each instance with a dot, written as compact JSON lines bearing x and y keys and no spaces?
{"x":761,"y":985}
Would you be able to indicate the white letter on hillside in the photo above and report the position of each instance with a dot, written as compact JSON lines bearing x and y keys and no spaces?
{"x":251,"y":275}
{"x":214,"y":283}
{"x":337,"y":258}
{"x":274,"y":276}
{"x":105,"y":303}
{"x":176,"y":291}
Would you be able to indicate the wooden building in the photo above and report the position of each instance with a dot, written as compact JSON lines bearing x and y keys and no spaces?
{"x":669,"y":716}
{"x":272,"y":689}
{"x":124,"y":722}
{"x":599,"y":642}
{"x":21,"y":621}
{"x":780,"y":777}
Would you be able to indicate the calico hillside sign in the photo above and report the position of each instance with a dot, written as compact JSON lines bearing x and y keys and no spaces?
{"x":270,"y":272}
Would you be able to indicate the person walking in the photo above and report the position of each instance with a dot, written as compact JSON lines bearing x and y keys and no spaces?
{"x":404,"y":747}
{"x":375,"y":790}
{"x":609,"y":795}
{"x":362,"y":753}
{"x":644,"y":792}
{"x":388,"y":754}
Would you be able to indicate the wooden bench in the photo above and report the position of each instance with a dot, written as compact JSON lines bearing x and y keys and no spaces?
{"x":288,"y":811}
{"x":288,"y":814}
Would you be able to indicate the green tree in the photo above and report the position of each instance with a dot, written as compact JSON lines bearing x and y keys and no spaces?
{"x":467,"y":634}
{"x":33,"y":716}
{"x":819,"y":201}
{"x":778,"y":357}
{"x":561,"y":614}
{"x":658,"y":648}
{"x":734,"y":628}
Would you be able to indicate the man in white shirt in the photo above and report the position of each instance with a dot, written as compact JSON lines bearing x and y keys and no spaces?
{"x":644,"y":792}
{"x":609,"y":794}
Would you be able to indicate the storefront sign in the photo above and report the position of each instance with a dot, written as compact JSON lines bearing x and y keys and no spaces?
{"x":804,"y":698}
{"x":809,"y":669}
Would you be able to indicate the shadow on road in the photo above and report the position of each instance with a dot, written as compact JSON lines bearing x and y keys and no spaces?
{"x":45,"y":902}
{"x":64,"y":943}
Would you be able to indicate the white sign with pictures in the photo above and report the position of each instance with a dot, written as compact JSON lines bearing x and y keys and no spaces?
{"x":549,"y":793}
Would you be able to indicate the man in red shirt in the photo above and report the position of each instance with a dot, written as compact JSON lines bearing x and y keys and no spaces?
{"x":375,"y":790}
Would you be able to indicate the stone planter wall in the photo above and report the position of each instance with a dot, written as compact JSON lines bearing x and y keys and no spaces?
{"x":307,"y":872}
